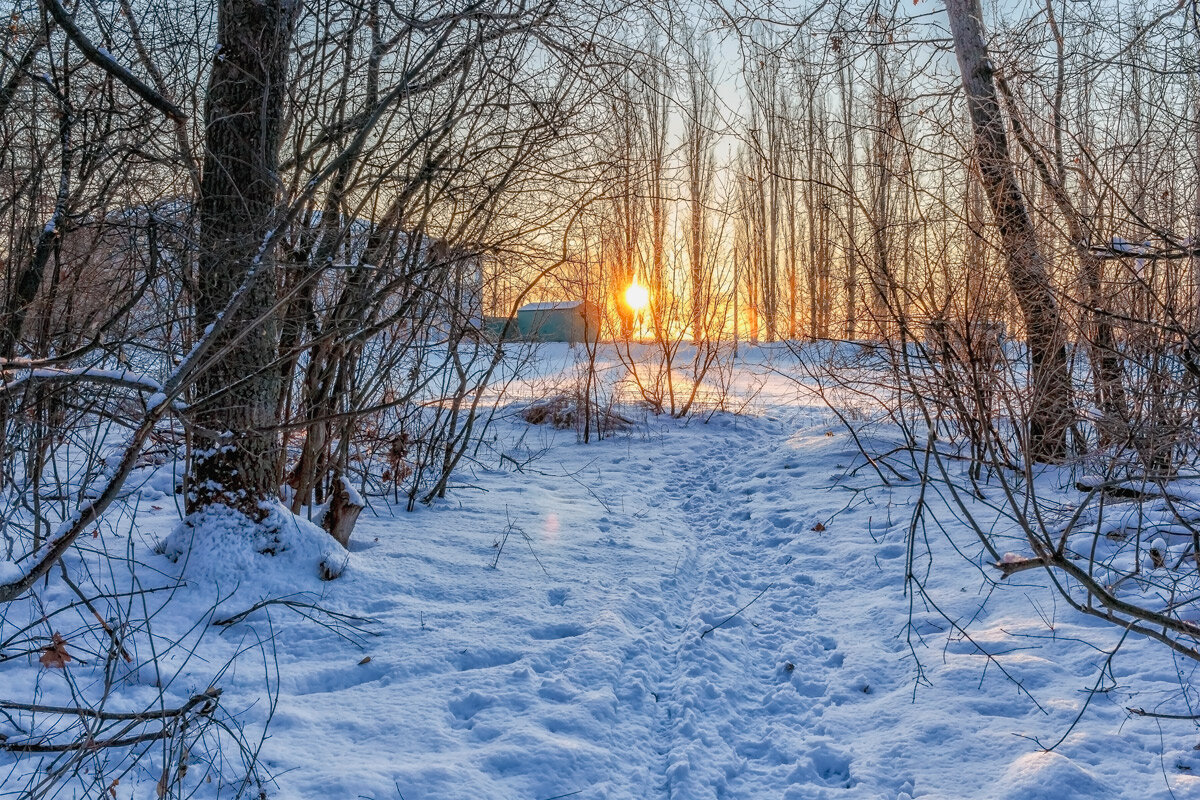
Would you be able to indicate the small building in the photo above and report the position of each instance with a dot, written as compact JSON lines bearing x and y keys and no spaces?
{"x":565,"y":321}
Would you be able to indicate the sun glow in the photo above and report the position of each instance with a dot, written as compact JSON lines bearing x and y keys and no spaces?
{"x":637,"y":296}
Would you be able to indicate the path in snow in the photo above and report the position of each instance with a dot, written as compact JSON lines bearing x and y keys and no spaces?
{"x":747,"y":700}
{"x":579,"y":665}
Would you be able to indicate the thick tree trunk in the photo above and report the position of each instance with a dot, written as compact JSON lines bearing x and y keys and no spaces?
{"x":237,"y":395}
{"x":1050,"y":407}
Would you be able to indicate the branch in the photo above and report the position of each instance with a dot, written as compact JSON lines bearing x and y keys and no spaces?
{"x":210,"y":694}
{"x":206,"y":702}
{"x":709,"y":630}
{"x":1010,"y":568}
{"x":1141,"y":712}
{"x":10,"y":378}
{"x":103,"y":59}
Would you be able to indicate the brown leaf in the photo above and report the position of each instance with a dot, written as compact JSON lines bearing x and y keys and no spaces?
{"x":818,"y":527}
{"x":366,"y":660}
{"x":55,"y":655}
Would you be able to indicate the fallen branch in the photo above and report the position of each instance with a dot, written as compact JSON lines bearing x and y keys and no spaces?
{"x":88,"y":744}
{"x":1123,"y":492}
{"x":202,"y":704}
{"x":209,"y":695}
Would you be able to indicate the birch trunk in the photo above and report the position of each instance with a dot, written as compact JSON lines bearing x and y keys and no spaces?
{"x":1050,"y":408}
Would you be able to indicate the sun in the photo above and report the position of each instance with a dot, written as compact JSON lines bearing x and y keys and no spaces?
{"x":637,"y":296}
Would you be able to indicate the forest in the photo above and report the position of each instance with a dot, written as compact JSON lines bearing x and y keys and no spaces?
{"x":538,"y":399}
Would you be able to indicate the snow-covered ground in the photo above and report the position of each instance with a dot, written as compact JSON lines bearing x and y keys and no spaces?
{"x":703,"y":609}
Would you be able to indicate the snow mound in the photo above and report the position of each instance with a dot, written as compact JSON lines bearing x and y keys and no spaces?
{"x":279,"y":555}
{"x":1049,"y":776}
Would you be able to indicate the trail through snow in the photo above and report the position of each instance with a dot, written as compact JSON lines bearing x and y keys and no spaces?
{"x":702,"y":611}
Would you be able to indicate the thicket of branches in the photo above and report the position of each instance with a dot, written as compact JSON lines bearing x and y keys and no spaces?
{"x":244,"y":246}
{"x":1004,"y":211}
{"x":259,"y":241}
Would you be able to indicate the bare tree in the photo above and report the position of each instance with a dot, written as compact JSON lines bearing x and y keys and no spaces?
{"x":1049,"y":415}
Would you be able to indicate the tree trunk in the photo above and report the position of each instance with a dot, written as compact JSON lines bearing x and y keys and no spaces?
{"x":237,"y":395}
{"x":846,"y":89}
{"x":1050,"y":408}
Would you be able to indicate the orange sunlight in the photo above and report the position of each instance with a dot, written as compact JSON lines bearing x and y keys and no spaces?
{"x":637,"y":296}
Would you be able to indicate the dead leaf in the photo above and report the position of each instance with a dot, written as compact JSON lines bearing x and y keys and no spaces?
{"x":366,"y":660}
{"x":818,"y":527}
{"x":55,"y":656}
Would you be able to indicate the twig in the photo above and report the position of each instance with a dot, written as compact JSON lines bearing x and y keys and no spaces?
{"x":1141,"y":712}
{"x":336,"y":621}
{"x":707,"y":631}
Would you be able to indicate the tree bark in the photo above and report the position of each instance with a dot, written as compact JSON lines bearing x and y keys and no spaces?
{"x":846,"y":90}
{"x":237,"y":394}
{"x":1050,"y":412}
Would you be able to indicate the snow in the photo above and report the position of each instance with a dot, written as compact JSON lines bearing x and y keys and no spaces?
{"x":690,"y":610}
{"x":279,"y":556}
{"x":1050,"y":776}
{"x":352,"y":494}
{"x":10,"y":572}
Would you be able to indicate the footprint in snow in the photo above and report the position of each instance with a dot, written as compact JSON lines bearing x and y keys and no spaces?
{"x":470,"y":704}
{"x":561,"y":631}
{"x":824,"y":766}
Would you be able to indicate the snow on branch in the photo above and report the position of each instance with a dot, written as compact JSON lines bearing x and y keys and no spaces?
{"x":103,"y":59}
{"x":13,"y":377}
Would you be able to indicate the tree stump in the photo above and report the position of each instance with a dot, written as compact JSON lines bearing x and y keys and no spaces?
{"x":345,"y":505}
